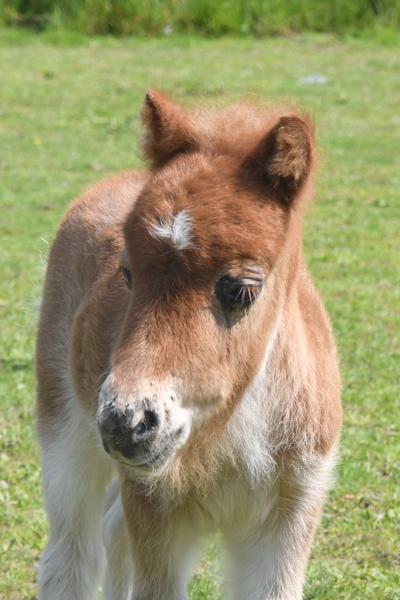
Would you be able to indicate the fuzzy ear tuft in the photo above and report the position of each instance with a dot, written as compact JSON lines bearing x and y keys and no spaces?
{"x":283,"y":159}
{"x":167,"y":129}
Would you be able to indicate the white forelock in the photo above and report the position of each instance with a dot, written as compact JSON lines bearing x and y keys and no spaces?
{"x":178,"y":230}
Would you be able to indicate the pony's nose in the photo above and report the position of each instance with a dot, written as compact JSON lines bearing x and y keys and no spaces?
{"x":128,"y":433}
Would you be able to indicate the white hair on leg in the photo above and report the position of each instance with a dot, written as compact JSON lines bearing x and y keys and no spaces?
{"x":76,"y":472}
{"x":267,"y":561}
{"x":118,"y":583}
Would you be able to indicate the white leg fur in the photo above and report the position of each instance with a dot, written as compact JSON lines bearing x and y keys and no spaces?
{"x":75,"y":476}
{"x":268,"y":561}
{"x":265,"y":566}
{"x":118,"y":584}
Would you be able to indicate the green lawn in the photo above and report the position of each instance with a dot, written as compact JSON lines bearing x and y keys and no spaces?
{"x":69,"y":116}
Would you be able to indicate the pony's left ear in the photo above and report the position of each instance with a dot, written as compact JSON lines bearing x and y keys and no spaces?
{"x":168,"y":130}
{"x":283,"y":160}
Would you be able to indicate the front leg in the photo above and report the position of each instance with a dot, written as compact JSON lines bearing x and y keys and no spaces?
{"x":76,"y":472}
{"x":164,"y":546}
{"x":268,"y":561}
{"x":118,"y":582}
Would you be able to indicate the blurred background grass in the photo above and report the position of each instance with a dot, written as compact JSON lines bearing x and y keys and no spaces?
{"x":209,"y":17}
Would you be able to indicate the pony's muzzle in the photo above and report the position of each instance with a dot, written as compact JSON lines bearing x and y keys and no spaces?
{"x":130,"y":433}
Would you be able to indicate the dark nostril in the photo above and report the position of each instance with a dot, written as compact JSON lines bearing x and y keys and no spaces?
{"x":146,"y":426}
{"x":140,"y":428}
{"x":151,"y":419}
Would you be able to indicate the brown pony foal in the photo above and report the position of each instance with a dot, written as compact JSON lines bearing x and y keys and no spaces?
{"x":184,"y":351}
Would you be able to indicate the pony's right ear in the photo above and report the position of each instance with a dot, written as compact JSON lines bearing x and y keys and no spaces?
{"x":283,"y":160}
{"x":168,"y":130}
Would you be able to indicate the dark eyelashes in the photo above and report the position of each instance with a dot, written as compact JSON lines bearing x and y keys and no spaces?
{"x":236,"y":293}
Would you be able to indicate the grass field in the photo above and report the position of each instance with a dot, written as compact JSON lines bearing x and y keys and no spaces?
{"x":69,"y":116}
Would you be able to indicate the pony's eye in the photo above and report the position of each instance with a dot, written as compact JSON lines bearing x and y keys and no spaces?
{"x":127,"y":277}
{"x":236,"y":293}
